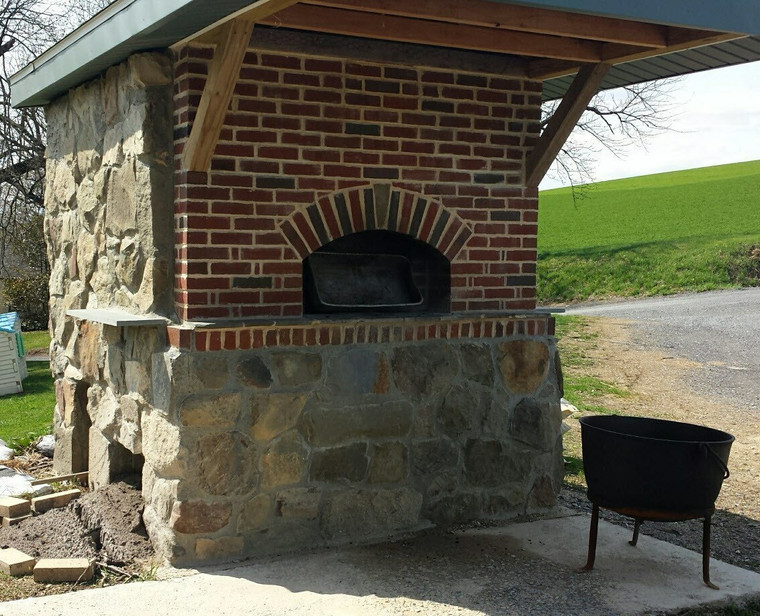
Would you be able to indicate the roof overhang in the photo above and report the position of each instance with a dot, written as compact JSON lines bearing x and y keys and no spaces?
{"x":550,"y":39}
{"x":721,"y":15}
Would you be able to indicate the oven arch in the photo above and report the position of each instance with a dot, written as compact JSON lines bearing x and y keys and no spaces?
{"x":376,"y":207}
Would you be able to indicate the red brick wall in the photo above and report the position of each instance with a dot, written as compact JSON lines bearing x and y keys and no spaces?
{"x":304,"y":135}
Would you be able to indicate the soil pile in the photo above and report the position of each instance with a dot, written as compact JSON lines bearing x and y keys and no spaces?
{"x":105,"y":525}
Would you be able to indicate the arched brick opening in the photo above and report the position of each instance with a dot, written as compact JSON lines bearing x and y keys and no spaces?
{"x":377,"y":207}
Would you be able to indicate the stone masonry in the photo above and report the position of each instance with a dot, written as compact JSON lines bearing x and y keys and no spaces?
{"x":108,"y":223}
{"x":256,"y":429}
{"x":254,"y":452}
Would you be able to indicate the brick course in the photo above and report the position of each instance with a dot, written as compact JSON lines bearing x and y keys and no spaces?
{"x":394,"y":330}
{"x":304,"y":141}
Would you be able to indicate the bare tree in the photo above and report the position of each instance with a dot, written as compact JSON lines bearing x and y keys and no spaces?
{"x":27,"y":27}
{"x":615,"y":120}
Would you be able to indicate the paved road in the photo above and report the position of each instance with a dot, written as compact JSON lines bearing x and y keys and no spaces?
{"x":720,"y":330}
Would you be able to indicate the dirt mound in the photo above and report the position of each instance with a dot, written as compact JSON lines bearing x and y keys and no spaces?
{"x":56,"y":534}
{"x":113,"y":515}
{"x":105,"y":525}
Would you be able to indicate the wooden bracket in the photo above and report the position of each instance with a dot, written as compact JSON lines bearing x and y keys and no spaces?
{"x":561,"y":124}
{"x":220,"y":84}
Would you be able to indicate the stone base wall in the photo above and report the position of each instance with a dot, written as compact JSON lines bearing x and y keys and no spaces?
{"x":278,"y":449}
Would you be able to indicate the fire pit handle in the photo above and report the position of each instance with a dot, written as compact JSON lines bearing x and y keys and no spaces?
{"x":721,"y":463}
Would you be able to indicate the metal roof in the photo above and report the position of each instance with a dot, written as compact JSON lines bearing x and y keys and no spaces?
{"x":129,"y":26}
{"x":720,"y":15}
{"x":695,"y":60}
{"x":123,"y":28}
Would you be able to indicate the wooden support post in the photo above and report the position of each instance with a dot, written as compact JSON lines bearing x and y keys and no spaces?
{"x":561,"y":124}
{"x":220,"y":83}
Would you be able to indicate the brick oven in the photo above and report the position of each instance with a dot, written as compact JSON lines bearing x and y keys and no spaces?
{"x":358,"y":419}
{"x":294,"y":275}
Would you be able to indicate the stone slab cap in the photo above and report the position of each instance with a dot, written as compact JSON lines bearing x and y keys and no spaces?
{"x":16,"y":520}
{"x":15,"y":562}
{"x":12,"y":507}
{"x":63,"y":570}
{"x":52,"y":501}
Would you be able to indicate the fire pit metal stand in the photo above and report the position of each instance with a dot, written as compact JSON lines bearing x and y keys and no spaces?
{"x":643,"y":515}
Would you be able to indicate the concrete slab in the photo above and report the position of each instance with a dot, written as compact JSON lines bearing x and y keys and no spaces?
{"x":654,"y":575}
{"x":522,"y":570}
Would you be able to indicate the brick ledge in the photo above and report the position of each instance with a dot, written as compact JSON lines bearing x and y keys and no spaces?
{"x":321,"y":333}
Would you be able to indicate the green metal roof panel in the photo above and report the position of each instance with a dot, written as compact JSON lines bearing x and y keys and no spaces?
{"x":668,"y":65}
{"x":724,"y":15}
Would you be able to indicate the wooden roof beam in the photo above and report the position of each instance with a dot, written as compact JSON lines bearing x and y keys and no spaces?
{"x":546,"y":69}
{"x":222,"y":75}
{"x":215,"y":33}
{"x":407,"y":30}
{"x":513,"y":17}
{"x":561,"y":124}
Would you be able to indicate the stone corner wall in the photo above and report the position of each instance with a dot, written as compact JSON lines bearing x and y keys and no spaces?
{"x":109,"y":234}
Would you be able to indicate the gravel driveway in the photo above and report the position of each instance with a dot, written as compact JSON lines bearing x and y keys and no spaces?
{"x":720,"y":330}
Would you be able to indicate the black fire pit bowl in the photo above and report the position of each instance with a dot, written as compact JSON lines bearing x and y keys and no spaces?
{"x":653,"y":463}
{"x":652,"y":469}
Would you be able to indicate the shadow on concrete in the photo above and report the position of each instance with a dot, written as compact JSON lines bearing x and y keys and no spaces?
{"x":518,"y":569}
{"x":521,"y":569}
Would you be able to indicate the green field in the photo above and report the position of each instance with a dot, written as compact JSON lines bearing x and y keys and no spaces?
{"x":692,"y":230}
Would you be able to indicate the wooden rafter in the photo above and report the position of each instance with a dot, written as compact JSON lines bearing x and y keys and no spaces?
{"x":513,"y":17}
{"x":561,"y":124}
{"x":214,"y":33}
{"x":462,"y":36}
{"x":217,"y":94}
{"x":546,"y":69}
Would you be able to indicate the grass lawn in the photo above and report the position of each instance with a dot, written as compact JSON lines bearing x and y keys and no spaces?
{"x":692,"y":230}
{"x":25,"y":416}
{"x":36,"y":341}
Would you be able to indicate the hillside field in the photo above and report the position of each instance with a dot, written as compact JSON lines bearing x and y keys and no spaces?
{"x":692,"y":230}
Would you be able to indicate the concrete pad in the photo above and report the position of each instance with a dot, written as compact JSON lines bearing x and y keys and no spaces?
{"x":15,"y":562}
{"x":654,"y":575}
{"x":63,"y":570}
{"x":516,"y":570}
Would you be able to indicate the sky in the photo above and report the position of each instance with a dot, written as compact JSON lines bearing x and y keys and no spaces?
{"x":717,"y":121}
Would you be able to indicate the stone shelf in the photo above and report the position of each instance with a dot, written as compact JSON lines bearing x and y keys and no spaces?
{"x":117,"y":318}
